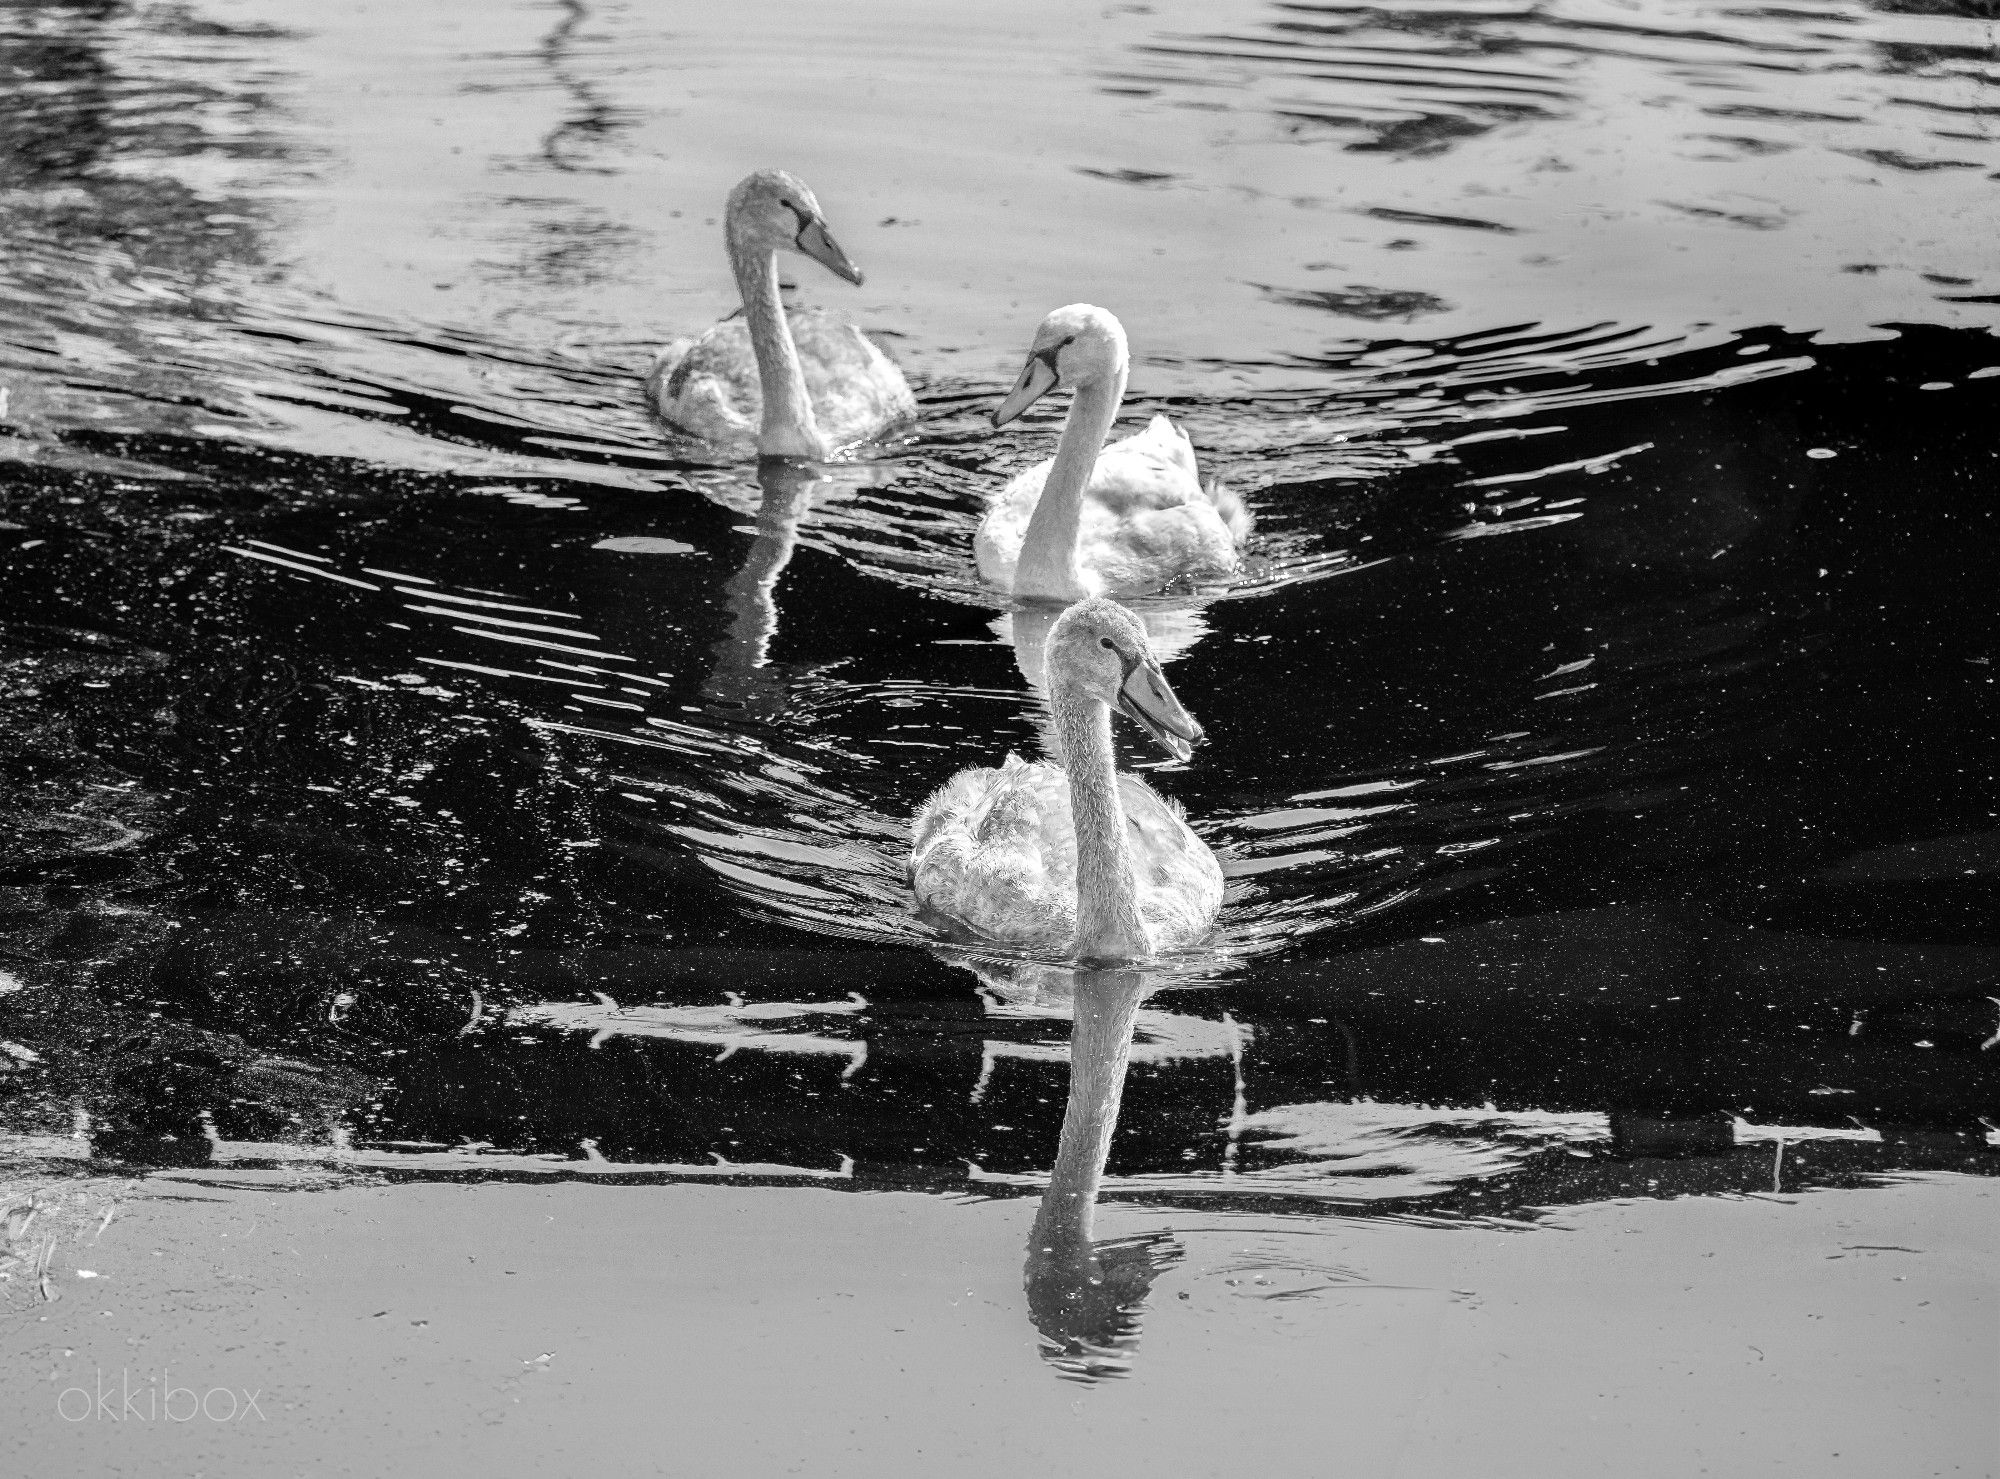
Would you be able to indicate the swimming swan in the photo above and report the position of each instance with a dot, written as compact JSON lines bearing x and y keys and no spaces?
{"x":1075,"y":857}
{"x":1121,"y":521}
{"x":804,"y":386}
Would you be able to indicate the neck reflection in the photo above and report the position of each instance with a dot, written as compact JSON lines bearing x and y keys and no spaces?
{"x":740,"y":674}
{"x":1085,"y":1296}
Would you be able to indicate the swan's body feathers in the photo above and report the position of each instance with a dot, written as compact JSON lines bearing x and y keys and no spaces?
{"x":1146,"y":521}
{"x":995,"y":851}
{"x":1231,"y":509}
{"x":708,"y":388}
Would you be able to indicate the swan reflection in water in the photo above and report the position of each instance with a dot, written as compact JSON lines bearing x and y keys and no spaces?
{"x":1085,"y":1296}
{"x":741,"y":673}
{"x":787,"y":492}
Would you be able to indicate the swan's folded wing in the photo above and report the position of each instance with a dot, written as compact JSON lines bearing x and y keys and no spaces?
{"x":857,"y":392}
{"x":669,"y":355}
{"x":995,"y":853}
{"x":709,"y":388}
{"x":996,"y":547}
{"x":1164,"y":442}
{"x":1179,"y":879}
{"x":1153,"y":469}
{"x":1145,"y":549}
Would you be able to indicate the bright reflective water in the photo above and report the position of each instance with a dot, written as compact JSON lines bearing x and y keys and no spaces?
{"x":415,"y":758}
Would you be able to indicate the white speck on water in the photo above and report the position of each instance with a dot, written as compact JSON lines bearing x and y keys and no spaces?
{"x":644,"y":544}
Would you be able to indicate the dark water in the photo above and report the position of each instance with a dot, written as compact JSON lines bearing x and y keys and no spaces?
{"x":412,"y":758}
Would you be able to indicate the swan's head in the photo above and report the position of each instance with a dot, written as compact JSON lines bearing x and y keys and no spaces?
{"x":773,"y":211}
{"x":1077,"y":345}
{"x":1099,"y":647}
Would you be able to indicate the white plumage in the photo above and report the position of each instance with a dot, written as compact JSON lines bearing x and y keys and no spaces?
{"x":995,"y":853}
{"x":1125,"y":519}
{"x":708,"y":387}
{"x":1146,"y":518}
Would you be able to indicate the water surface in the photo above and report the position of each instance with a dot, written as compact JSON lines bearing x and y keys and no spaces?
{"x":417,"y":761}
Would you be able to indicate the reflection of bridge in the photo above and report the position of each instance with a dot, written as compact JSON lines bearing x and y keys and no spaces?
{"x":1017,"y":1029}
{"x":1505,"y":1064}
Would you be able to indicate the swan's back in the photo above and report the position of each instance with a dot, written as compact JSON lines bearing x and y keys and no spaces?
{"x":1164,"y":443}
{"x":1147,"y":520}
{"x":708,"y":387}
{"x":857,"y":391}
{"x":994,"y":852}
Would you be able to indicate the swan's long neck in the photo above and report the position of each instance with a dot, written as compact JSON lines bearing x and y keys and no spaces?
{"x":1108,"y":924}
{"x":1100,"y":1043}
{"x":789,"y":428}
{"x":1048,"y":565}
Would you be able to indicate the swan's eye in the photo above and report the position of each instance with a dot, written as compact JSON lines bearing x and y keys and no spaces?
{"x":1106,"y":644}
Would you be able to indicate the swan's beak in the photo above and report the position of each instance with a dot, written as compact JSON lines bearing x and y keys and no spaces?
{"x":1145,"y":696}
{"x":1038,"y":378}
{"x":818,"y":243}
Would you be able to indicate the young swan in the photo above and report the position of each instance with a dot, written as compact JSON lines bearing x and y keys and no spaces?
{"x":804,"y":385}
{"x":1123,"y":521}
{"x":1074,"y":857}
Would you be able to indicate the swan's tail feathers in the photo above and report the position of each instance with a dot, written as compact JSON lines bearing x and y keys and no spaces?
{"x":1236,"y":515}
{"x":1166,"y":441}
